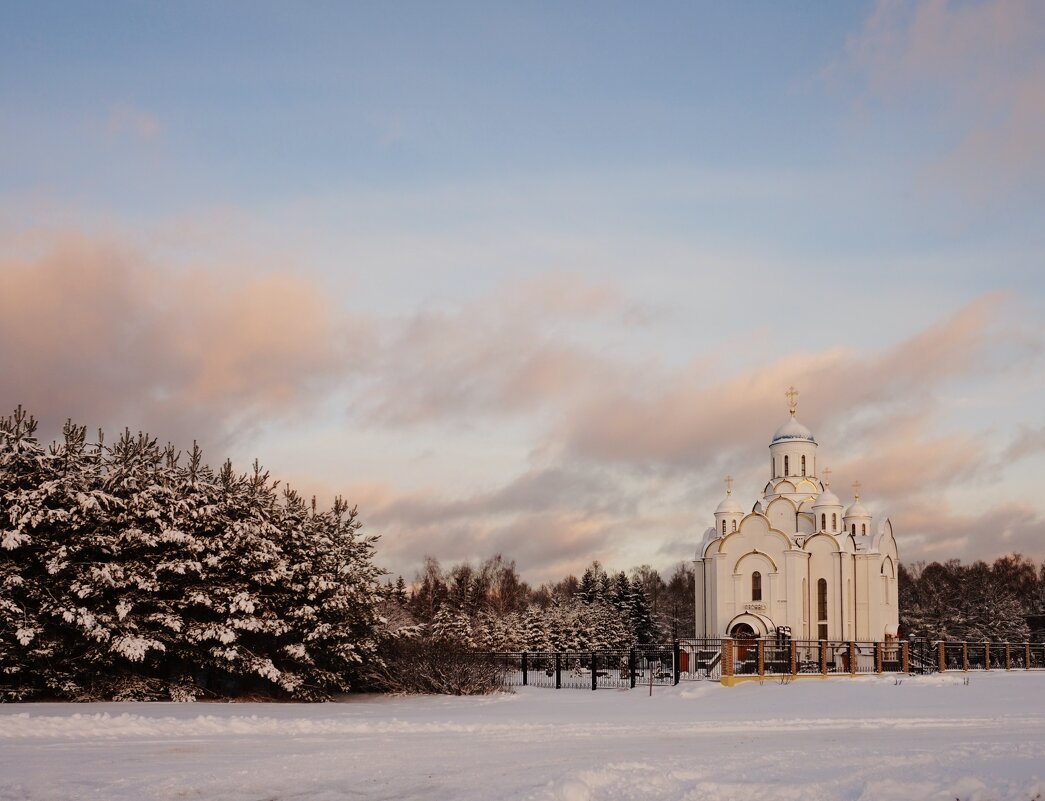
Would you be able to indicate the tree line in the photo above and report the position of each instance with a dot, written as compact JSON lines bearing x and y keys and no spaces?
{"x":489,"y":607}
{"x":1003,"y":601}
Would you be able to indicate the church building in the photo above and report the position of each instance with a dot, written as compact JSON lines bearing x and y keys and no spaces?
{"x":799,"y":562}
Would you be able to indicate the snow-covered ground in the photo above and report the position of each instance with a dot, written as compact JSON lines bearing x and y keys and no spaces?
{"x":866,"y":739}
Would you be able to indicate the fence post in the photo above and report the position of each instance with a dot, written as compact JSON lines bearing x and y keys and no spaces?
{"x":905,"y":656}
{"x":677,"y":661}
{"x":1008,"y":657}
{"x":727,"y":658}
{"x":631,"y":667}
{"x":879,"y":658}
{"x":558,"y":670}
{"x":941,"y":656}
{"x":524,"y":668}
{"x":852,"y":658}
{"x":761,"y":658}
{"x":594,"y":675}
{"x":986,"y":656}
{"x":823,"y":657}
{"x":1027,"y":663}
{"x":794,"y":658}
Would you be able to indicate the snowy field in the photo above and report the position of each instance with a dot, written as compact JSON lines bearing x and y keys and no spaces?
{"x":865,"y":739}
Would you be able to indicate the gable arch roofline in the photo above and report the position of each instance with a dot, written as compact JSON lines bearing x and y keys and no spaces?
{"x":884,"y":535}
{"x":756,"y":553}
{"x":740,"y":530}
{"x":782,"y":499}
{"x":822,"y":535}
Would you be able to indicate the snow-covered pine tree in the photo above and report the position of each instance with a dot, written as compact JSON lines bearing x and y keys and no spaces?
{"x":126,"y":574}
{"x":643,"y":627}
{"x":453,"y":627}
{"x":27,"y":640}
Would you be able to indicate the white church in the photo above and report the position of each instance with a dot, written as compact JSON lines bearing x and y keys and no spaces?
{"x":798,"y":562}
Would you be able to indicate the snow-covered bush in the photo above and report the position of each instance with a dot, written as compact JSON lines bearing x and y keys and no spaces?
{"x":413,"y":663}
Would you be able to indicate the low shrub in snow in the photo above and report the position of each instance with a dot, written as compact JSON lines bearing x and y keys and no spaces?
{"x":422,"y":664}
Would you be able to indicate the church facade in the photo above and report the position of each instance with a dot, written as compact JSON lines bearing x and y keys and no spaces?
{"x":799,"y":562}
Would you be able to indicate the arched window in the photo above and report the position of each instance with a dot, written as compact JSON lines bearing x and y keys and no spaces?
{"x":823,"y":520}
{"x":803,"y":464}
{"x":834,"y":521}
{"x":756,"y":586}
{"x":787,"y":466}
{"x":854,"y":529}
{"x":863,"y":528}
{"x":734,"y":525}
{"x":772,"y":466}
{"x":723,"y":526}
{"x":821,"y":599}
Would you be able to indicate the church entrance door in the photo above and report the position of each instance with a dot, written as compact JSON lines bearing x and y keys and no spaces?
{"x":744,"y":637}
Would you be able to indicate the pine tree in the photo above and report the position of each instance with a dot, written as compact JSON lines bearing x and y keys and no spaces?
{"x":125,"y":574}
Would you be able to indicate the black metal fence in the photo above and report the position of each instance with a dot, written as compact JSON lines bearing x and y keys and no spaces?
{"x":714,"y":658}
{"x":590,"y":670}
{"x":700,"y":659}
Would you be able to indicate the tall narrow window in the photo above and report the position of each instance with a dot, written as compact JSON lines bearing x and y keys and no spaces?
{"x":863,"y":528}
{"x":854,"y":529}
{"x":772,"y":466}
{"x":834,"y":521}
{"x":821,"y":600}
{"x":823,"y":520}
{"x":803,"y":464}
{"x":723,"y":526}
{"x":756,"y":586}
{"x":734,"y":525}
{"x":787,"y":466}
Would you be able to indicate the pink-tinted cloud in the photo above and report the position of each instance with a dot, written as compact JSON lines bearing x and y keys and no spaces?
{"x":508,"y":353}
{"x":93,"y":330}
{"x":689,"y":416}
{"x":625,"y":450}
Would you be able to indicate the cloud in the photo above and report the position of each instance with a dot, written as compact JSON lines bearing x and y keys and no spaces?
{"x":129,"y":121}
{"x":932,"y":531}
{"x":978,"y":69}
{"x":615,"y":452}
{"x":507,"y":353}
{"x":91,"y":329}
{"x":1028,"y":442}
{"x":689,"y":416}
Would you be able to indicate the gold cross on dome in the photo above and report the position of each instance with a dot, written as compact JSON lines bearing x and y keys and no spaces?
{"x":856,"y":490}
{"x":729,"y":485}
{"x":827,"y":477}
{"x":792,"y":399}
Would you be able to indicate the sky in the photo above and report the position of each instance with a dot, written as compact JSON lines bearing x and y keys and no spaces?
{"x":532,"y":279}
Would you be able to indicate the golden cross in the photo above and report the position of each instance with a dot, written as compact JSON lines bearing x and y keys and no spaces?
{"x":827,"y":477}
{"x":856,"y":490}
{"x":792,"y":399}
{"x":729,"y":485}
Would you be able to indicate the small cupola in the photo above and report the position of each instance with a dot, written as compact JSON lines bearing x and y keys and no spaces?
{"x":827,"y":509}
{"x":729,"y":511}
{"x":857,"y":519}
